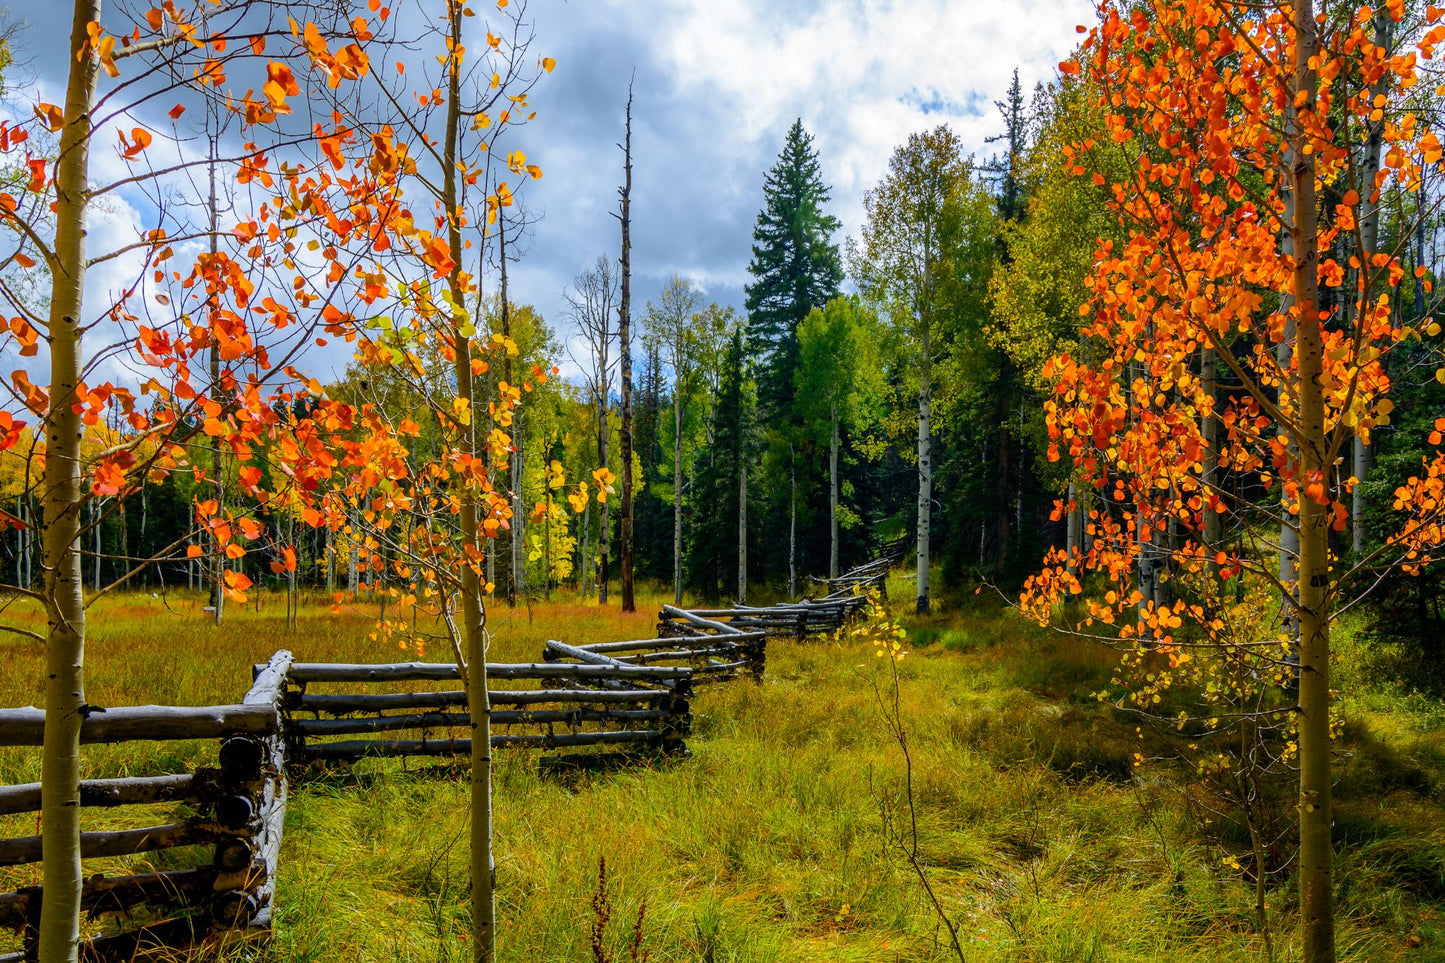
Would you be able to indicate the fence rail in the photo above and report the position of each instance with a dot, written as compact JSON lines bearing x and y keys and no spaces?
{"x":632,"y":695}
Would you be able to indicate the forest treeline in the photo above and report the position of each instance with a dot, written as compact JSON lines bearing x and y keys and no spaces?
{"x":883,"y":389}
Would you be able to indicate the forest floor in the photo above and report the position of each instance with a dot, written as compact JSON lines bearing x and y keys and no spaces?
{"x":771,"y":843}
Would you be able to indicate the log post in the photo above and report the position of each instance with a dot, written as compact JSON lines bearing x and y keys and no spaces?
{"x":267,"y":689}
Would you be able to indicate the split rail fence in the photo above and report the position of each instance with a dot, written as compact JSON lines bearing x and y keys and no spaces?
{"x":585,"y":705}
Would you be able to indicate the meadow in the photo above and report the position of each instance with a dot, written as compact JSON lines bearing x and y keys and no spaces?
{"x":778,"y":840}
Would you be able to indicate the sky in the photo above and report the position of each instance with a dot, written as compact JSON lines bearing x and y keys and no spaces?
{"x":718,"y":82}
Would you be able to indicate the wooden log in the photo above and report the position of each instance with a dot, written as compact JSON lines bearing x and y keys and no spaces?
{"x":414,"y":671}
{"x":379,"y":702}
{"x":642,"y":645}
{"x":268,"y":689}
{"x":114,"y":894}
{"x":677,"y":613}
{"x":313,"y":728}
{"x":26,"y":727}
{"x":127,"y":791}
{"x":561,"y":650}
{"x":717,"y":651}
{"x":125,"y":842}
{"x":461,"y":748}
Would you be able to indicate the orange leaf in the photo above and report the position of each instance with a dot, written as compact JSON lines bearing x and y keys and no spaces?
{"x":51,"y":115}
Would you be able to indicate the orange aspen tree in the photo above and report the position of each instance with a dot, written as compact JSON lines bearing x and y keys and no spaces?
{"x":438,"y":182}
{"x":127,"y":337}
{"x":1226,"y":154}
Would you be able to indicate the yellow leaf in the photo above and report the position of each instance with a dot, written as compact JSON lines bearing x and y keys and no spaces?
{"x":548,"y":64}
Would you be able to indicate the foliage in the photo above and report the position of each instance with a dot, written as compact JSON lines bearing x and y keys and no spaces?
{"x":1209,"y":169}
{"x":795,"y":264}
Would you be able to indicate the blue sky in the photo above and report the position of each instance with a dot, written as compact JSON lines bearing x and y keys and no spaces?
{"x":717,"y":84}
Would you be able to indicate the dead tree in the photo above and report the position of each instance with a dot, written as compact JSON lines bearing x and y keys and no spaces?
{"x":591,"y":303}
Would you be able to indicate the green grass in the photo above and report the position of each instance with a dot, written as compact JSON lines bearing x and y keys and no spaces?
{"x":768,"y":843}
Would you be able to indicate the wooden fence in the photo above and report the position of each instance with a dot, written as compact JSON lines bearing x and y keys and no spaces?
{"x":544,"y":705}
{"x":631,"y":698}
{"x":239,"y":806}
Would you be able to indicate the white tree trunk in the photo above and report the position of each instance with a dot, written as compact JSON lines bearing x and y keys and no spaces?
{"x":677,"y":495}
{"x":925,"y":478}
{"x":519,"y":554}
{"x":59,"y":930}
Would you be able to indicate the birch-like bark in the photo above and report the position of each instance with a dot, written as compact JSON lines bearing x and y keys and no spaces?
{"x":65,"y":707}
{"x":677,"y":492}
{"x":474,"y":636}
{"x":1315,"y":817}
{"x":604,"y":535}
{"x":925,"y":468}
{"x":517,"y":568}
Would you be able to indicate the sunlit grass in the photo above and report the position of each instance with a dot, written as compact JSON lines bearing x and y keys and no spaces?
{"x":767,"y":844}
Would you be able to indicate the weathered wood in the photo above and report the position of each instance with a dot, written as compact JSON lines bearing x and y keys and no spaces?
{"x":268,"y":681}
{"x":130,"y":790}
{"x":26,"y":727}
{"x":555,"y":649}
{"x":717,"y":651}
{"x":268,"y":689}
{"x":112,"y":894}
{"x":358,"y":748}
{"x":378,"y":702}
{"x":416,"y":671}
{"x":642,"y":645}
{"x":312,"y":728}
{"x":125,"y":842}
{"x":685,"y":615}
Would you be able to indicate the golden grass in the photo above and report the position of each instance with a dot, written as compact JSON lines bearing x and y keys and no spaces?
{"x":767,"y":844}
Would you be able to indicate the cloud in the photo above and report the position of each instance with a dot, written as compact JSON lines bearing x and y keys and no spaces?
{"x":716,"y":86}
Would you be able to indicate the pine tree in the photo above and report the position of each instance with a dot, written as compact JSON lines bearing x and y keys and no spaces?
{"x":796,"y":266}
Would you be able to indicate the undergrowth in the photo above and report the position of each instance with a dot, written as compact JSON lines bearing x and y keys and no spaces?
{"x":1041,"y":838}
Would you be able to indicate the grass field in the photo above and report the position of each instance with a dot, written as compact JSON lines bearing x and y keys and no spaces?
{"x":768,"y":844}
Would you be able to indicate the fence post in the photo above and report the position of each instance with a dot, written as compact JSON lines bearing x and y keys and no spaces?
{"x":269,"y":689}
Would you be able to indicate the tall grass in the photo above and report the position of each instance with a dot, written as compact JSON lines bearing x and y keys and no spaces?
{"x":766,"y":845}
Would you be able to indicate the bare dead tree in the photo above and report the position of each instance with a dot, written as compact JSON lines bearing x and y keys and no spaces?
{"x":591,"y":305}
{"x":624,"y":335}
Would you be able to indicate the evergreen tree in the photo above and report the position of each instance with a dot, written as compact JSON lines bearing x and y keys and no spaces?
{"x":796,"y":266}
